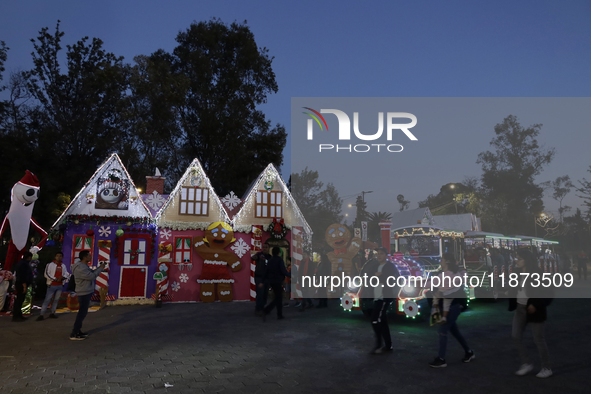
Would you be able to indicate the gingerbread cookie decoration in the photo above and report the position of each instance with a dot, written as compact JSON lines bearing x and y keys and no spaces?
{"x":217,"y":262}
{"x":338,"y":237}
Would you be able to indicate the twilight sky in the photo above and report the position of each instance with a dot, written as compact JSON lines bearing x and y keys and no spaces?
{"x":371,"y":49}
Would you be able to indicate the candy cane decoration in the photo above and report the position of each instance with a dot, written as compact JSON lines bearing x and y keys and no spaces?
{"x":102,"y":282}
{"x":257,"y":246}
{"x":164,"y":259}
{"x":162,"y":284}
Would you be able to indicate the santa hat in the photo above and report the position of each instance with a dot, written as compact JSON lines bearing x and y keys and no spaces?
{"x":30,"y":179}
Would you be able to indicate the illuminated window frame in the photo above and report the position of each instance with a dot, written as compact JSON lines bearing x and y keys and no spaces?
{"x":268,"y":204}
{"x":194,"y":201}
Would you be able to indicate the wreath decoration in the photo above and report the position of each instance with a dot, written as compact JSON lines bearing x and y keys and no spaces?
{"x":277,"y":229}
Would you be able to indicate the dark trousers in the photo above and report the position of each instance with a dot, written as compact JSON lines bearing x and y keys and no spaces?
{"x":379,"y":322}
{"x":452,"y":327}
{"x":17,"y":310}
{"x":261,"y":294}
{"x":277,"y":302}
{"x":84,"y":302}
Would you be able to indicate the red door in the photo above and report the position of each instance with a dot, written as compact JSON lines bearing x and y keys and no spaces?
{"x":133,"y":282}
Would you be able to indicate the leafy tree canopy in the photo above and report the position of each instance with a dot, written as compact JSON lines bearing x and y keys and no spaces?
{"x":508,"y":186}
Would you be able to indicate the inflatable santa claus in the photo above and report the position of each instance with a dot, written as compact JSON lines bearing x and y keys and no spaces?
{"x":23,"y":196}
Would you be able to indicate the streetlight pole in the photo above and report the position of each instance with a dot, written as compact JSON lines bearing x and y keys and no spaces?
{"x":452,"y":186}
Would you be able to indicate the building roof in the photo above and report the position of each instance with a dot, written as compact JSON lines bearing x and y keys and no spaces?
{"x":85,"y":202}
{"x":269,"y":174}
{"x":412,"y":217}
{"x":194,"y":176}
{"x":458,"y":222}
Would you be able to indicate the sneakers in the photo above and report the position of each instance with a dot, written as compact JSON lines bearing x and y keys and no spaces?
{"x":438,"y":363}
{"x":77,"y":337}
{"x":442,"y":320}
{"x":297,"y":305}
{"x":387,"y":349}
{"x":469,"y":356}
{"x":544,"y":373}
{"x":40,"y":318}
{"x":53,"y":316}
{"x":525,"y":369}
{"x":381,"y":349}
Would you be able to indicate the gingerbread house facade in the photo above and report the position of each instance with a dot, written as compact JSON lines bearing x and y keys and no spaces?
{"x":269,"y":214}
{"x":109,"y":218}
{"x":191,"y":209}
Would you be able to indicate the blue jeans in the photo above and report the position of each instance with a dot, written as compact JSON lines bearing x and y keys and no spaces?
{"x":452,"y":327}
{"x":51,"y":290}
{"x":84,"y":302}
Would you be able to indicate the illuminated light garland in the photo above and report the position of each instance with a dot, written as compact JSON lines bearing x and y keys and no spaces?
{"x":183,"y":226}
{"x":432,"y":232}
{"x":194,"y":168}
{"x":78,"y":200}
{"x":128,"y":220}
{"x":269,"y":174}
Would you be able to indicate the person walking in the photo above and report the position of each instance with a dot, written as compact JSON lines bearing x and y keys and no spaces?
{"x":275,"y":276}
{"x":322,"y":271}
{"x":458,"y":303}
{"x":24,"y":280}
{"x":529,"y":303}
{"x":84,"y":277}
{"x":56,"y":274}
{"x":306,"y":270}
{"x":261,"y":261}
{"x":383,"y":295}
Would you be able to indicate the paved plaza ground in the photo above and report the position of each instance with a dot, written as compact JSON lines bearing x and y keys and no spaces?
{"x":224,"y":348}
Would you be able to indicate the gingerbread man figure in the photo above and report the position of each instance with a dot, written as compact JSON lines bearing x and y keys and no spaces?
{"x":338,"y":237}
{"x":216,"y":261}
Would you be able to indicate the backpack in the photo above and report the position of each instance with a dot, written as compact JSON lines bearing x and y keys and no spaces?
{"x":261,"y":267}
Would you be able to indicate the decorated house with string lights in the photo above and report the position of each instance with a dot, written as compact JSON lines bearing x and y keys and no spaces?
{"x":269,"y":214}
{"x":207,"y":260}
{"x":109,"y":218}
{"x":208,"y":241}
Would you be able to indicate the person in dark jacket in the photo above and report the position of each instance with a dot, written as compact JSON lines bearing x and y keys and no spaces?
{"x":529,"y":303}
{"x":261,"y":260}
{"x":275,"y":276}
{"x":323,"y":269}
{"x":24,"y":279}
{"x":383,"y":295}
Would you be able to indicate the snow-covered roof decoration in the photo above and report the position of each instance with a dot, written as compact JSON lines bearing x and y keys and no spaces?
{"x":458,"y":222}
{"x":169,"y":217}
{"x":269,"y":179}
{"x":412,"y":218}
{"x":109,"y":192}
